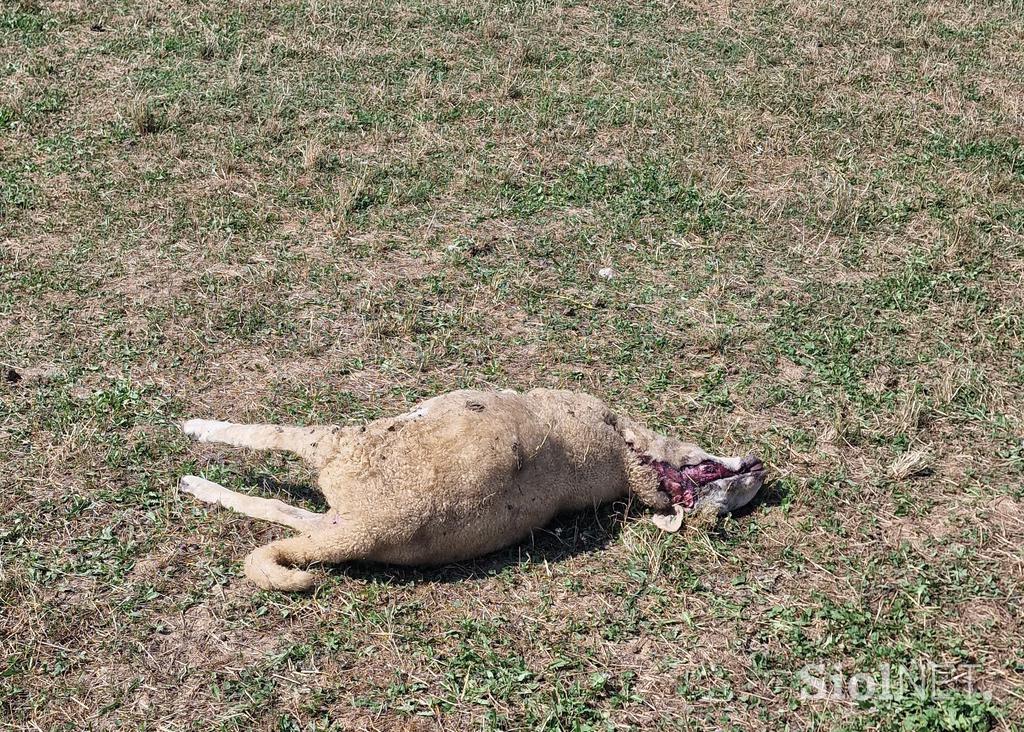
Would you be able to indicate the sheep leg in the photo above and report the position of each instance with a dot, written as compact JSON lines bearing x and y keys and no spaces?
{"x":315,"y":444}
{"x":267,"y":509}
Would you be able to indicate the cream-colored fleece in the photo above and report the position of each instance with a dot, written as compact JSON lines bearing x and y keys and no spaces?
{"x":464,"y":474}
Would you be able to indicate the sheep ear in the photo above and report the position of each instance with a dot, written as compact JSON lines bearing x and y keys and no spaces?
{"x":670,"y":522}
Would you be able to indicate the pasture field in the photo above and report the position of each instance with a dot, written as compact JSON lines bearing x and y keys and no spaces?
{"x":312,"y":211}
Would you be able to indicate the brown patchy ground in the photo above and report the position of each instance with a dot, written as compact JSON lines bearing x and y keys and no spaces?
{"x":318,"y":211}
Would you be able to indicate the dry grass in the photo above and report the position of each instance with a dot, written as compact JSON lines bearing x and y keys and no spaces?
{"x":320,"y":211}
{"x":911,"y":463}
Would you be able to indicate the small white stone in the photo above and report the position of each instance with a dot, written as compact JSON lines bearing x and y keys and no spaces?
{"x":606,"y":273}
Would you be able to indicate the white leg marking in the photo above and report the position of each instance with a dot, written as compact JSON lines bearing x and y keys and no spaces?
{"x":205,"y":490}
{"x":203,"y":429}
